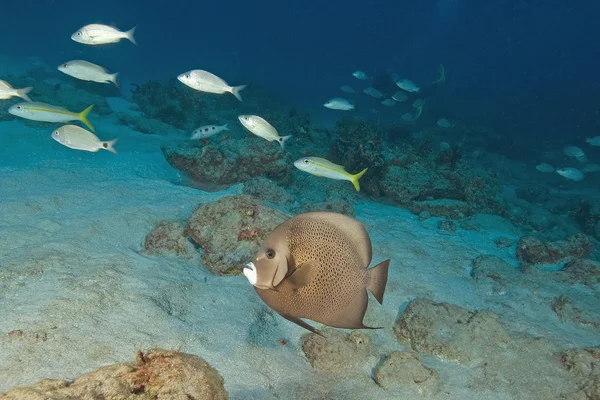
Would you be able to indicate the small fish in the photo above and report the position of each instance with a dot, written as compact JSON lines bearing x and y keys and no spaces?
{"x":571,"y":173}
{"x":204,"y":132}
{"x":87,"y":71}
{"x":545,"y":167}
{"x":420,"y":106}
{"x":316,"y":266}
{"x":360,"y":75}
{"x":418,"y":103}
{"x":400,"y":97}
{"x":7,"y":92}
{"x":75,"y":137}
{"x":97,"y":34}
{"x":338,"y":103}
{"x":347,"y":89}
{"x":444,"y":123}
{"x":591,"y":168}
{"x":389,"y":102}
{"x":373,"y":92}
{"x":595,"y":141}
{"x":204,"y":81}
{"x":408,"y":85}
{"x":263,"y":129}
{"x":321,"y":167}
{"x":407,"y":117}
{"x":573,"y":151}
{"x":37,"y":111}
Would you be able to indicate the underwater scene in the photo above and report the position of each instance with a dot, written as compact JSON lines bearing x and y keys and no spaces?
{"x":300,"y":200}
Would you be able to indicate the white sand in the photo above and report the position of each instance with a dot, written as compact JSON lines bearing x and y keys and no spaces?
{"x":72,"y":226}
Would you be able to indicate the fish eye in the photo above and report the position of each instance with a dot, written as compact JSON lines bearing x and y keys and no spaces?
{"x":79,"y":33}
{"x":187,"y":76}
{"x":19,"y":107}
{"x":65,"y":65}
{"x":306,"y":161}
{"x":270,"y":254}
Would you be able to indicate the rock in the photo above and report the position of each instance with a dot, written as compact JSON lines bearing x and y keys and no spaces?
{"x":494,"y":271}
{"x":534,"y":194}
{"x":454,"y":209}
{"x":533,"y":251}
{"x":403,"y":370}
{"x":586,"y":272}
{"x":504,"y":242}
{"x":229,"y":162}
{"x":157,"y":374}
{"x":584,"y":365}
{"x":447,"y":225}
{"x":423,"y":215}
{"x":168,"y":238}
{"x":566,"y":310}
{"x":335,"y":205}
{"x":267,"y":190}
{"x":230,"y":231}
{"x":337,"y":352}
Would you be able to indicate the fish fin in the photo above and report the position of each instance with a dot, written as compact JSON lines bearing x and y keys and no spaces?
{"x":282,"y":140}
{"x":110,"y":146}
{"x":303,"y":324}
{"x":302,"y":275}
{"x":378,"y":276}
{"x":83,"y":117}
{"x":356,"y":177}
{"x":236,"y":91}
{"x":22,"y":93}
{"x":226,"y":127}
{"x":114,"y":78}
{"x":129,"y":35}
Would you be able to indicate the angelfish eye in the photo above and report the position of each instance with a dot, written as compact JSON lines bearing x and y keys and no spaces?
{"x":270,"y":254}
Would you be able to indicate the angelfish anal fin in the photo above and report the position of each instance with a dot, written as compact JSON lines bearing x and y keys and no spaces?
{"x":303,"y":275}
{"x":303,"y":324}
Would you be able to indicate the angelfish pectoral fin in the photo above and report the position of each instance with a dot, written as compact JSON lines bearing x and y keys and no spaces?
{"x":303,"y":324}
{"x":302,"y":275}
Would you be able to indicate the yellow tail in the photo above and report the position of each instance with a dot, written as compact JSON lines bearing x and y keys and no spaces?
{"x":356,"y":177}
{"x":83,"y":117}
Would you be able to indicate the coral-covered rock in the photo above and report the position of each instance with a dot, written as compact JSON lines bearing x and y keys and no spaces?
{"x":447,"y":225}
{"x":337,"y":352}
{"x":267,"y":190}
{"x":454,"y":209}
{"x":334,"y":205}
{"x":504,"y":242}
{"x":168,"y":238}
{"x":230,"y":231}
{"x":586,"y":272}
{"x":230,"y":161}
{"x":403,"y":370}
{"x":584,"y":365}
{"x":533,"y":251}
{"x":157,"y":374}
{"x":567,"y":310}
{"x":535,"y":194}
{"x":494,"y":271}
{"x":587,"y":215}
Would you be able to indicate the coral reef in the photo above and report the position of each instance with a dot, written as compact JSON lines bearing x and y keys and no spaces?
{"x":337,"y":352}
{"x":403,"y":370}
{"x":585,"y":272}
{"x":230,"y":161}
{"x":155,"y":374}
{"x":336,"y":205}
{"x":584,"y":365}
{"x":531,"y":250}
{"x":267,"y":190}
{"x":230,"y":231}
{"x":168,"y":238}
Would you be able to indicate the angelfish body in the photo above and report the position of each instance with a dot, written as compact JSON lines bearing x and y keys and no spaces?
{"x":75,"y":137}
{"x":321,"y":167}
{"x":37,"y":111}
{"x":315,"y":266}
{"x":87,"y":71}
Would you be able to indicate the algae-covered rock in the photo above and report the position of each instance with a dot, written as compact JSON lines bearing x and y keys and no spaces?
{"x":156,"y":374}
{"x":338,"y":352}
{"x":533,"y":251}
{"x":231,"y":230}
{"x":403,"y":370}
{"x":168,"y":238}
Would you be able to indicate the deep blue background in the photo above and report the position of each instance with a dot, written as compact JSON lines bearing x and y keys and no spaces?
{"x":526,"y":67}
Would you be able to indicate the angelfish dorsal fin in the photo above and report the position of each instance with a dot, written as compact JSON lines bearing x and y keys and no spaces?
{"x":303,"y":275}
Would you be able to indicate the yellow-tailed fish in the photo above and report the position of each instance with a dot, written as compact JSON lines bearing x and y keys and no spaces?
{"x":261,"y":128}
{"x":75,"y":137}
{"x":48,"y":113}
{"x":7,"y":91}
{"x":321,"y":167}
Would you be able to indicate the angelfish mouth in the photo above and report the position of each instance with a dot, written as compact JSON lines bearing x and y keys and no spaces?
{"x":250,"y":273}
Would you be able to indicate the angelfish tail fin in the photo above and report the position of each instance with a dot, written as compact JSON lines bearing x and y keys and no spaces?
{"x":354,"y":178}
{"x":378,"y":276}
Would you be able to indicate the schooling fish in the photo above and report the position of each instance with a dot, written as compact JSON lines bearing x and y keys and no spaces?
{"x":98,"y":34}
{"x":87,"y":71}
{"x":321,"y":167}
{"x":261,"y":128}
{"x":204,"y":81}
{"x":571,"y":173}
{"x":75,"y":137}
{"x":338,"y":103}
{"x":7,"y":92}
{"x":408,"y":85}
{"x":315,"y":266}
{"x":48,"y":113}
{"x":360,"y":75}
{"x":595,"y":141}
